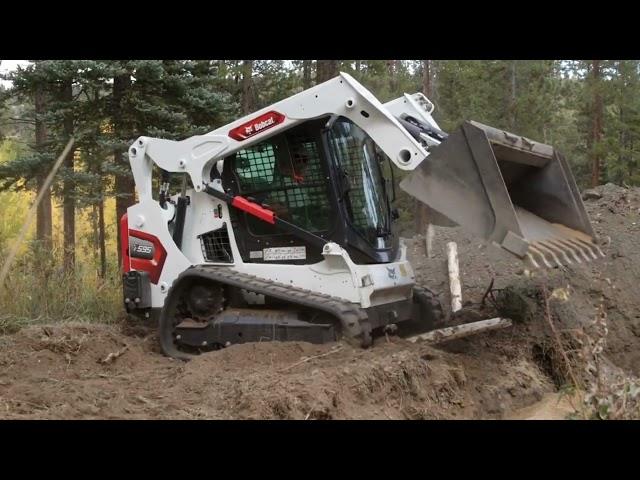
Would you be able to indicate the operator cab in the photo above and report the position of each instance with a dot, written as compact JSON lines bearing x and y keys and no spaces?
{"x":325,"y":176}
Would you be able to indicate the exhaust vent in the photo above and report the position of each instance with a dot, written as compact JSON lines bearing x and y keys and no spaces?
{"x":215,"y":245}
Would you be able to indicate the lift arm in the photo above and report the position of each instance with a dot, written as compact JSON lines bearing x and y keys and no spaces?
{"x":342,"y":96}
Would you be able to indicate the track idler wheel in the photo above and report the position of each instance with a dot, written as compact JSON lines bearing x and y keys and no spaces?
{"x":167,"y":339}
{"x":192,"y":302}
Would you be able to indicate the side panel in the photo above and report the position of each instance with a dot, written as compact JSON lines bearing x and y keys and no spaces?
{"x":338,"y":276}
{"x":146,"y":217}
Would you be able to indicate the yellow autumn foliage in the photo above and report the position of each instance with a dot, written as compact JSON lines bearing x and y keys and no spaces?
{"x":37,"y":289}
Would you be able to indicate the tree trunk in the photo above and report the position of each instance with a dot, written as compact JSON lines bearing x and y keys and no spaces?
{"x":623,"y":159}
{"x":99,"y":246}
{"x":596,"y":122}
{"x":68,"y":202}
{"x":511,"y":99}
{"x":326,"y":70}
{"x":247,"y":87}
{"x":94,"y":236}
{"x":43,"y":216}
{"x":124,"y":184}
{"x":306,"y":74}
{"x":392,"y":67}
{"x":358,"y":65}
{"x":236,"y":75}
{"x":421,"y":220}
{"x":426,"y":78}
{"x":101,"y":238}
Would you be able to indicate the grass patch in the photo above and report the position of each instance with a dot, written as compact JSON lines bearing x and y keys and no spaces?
{"x":38,"y":291}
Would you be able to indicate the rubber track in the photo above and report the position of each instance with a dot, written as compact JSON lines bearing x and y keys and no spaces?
{"x":354,"y":320}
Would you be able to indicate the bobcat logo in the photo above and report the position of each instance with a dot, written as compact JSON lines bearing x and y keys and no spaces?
{"x":392,"y":273}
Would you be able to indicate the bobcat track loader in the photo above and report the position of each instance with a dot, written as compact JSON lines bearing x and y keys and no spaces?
{"x":282,"y":227}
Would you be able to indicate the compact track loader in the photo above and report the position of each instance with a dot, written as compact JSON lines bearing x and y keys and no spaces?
{"x":281,"y":226}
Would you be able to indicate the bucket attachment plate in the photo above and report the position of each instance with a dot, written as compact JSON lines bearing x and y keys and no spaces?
{"x":518,"y":194}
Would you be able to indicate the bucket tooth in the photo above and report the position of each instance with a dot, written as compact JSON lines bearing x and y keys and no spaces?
{"x":567,"y":248}
{"x":593,"y":248}
{"x":579,"y":248}
{"x":541,"y":246}
{"x":597,"y":249}
{"x":541,"y":255}
{"x":561,"y":251}
{"x":532,"y":260}
{"x":572,"y":248}
{"x":585,"y":246}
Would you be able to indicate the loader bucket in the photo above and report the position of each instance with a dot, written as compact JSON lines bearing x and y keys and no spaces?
{"x":515,"y":193}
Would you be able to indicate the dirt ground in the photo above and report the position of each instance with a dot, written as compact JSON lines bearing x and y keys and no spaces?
{"x":74,"y":371}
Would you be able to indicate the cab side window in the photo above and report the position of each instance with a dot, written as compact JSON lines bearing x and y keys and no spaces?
{"x":286,"y":174}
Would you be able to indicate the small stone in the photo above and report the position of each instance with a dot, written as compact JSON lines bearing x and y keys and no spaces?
{"x":591,"y":194}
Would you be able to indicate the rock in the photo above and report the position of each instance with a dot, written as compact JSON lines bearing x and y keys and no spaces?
{"x":591,"y":194}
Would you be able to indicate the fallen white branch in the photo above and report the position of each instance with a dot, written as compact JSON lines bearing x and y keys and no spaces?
{"x":429,"y":240}
{"x":454,"y":276}
{"x":459,"y":331}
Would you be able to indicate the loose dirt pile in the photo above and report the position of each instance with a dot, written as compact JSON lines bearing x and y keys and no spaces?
{"x":60,"y":372}
{"x":98,"y":371}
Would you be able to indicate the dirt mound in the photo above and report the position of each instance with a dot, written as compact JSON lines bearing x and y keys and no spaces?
{"x":98,"y":371}
{"x":62,"y":372}
{"x":396,"y":379}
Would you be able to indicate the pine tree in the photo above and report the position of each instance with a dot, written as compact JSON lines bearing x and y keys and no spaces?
{"x":28,"y":170}
{"x":622,"y":140}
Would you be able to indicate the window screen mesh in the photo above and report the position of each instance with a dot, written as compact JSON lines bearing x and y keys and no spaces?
{"x":286,"y":174}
